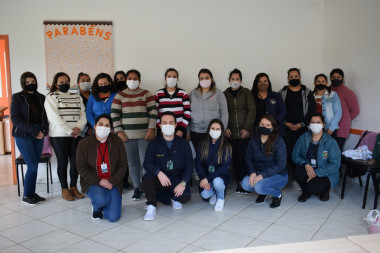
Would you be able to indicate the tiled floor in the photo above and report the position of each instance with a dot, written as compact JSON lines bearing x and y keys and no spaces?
{"x":61,"y":226}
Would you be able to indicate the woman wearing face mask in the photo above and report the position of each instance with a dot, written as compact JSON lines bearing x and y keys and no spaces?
{"x":268,"y":101}
{"x":328,"y":104}
{"x":300,"y":105}
{"x":242,"y":113}
{"x":67,"y":117}
{"x":103,"y":92}
{"x":171,"y":98}
{"x":102,"y":163}
{"x":134,"y":115}
{"x":30,"y":125}
{"x":317,"y":159}
{"x":84,"y":85}
{"x":120,"y":81}
{"x":266,"y":161}
{"x":207,"y":103}
{"x":213,"y":159}
{"x":349,"y":103}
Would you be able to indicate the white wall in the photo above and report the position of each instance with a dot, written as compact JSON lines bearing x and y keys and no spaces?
{"x":252,"y":35}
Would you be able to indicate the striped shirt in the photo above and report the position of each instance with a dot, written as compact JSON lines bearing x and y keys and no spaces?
{"x":134,"y":111}
{"x":178,"y":103}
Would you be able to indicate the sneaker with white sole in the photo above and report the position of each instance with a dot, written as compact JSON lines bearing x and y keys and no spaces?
{"x":219,"y":205}
{"x":213,"y":199}
{"x":150,"y":212}
{"x":177,"y":205}
{"x":96,"y":215}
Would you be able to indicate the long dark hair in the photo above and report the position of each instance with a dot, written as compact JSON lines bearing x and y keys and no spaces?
{"x":33,"y":104}
{"x":272,"y":136}
{"x":328,"y":88}
{"x":95,"y":86}
{"x":53,"y":86}
{"x":224,"y":146}
{"x":213,"y":84}
{"x":255,"y":89}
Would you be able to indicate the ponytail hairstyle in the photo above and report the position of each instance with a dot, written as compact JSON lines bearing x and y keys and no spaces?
{"x":224,"y":150}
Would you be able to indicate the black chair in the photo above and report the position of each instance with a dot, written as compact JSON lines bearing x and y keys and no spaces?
{"x":45,"y":158}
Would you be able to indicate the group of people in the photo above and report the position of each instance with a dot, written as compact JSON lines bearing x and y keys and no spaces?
{"x":111,"y":129}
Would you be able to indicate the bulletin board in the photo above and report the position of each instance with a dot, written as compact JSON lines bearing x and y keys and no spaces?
{"x":78,"y":46}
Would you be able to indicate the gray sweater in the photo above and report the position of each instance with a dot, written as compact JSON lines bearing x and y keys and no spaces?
{"x":205,"y":107}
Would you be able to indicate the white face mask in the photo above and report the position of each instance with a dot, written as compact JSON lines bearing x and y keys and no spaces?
{"x":102,"y":132}
{"x":235,"y":84}
{"x":86,"y":86}
{"x":316,"y":128}
{"x":132,"y":85}
{"x":168,"y":130}
{"x":205,"y":83}
{"x":215,"y":134}
{"x":171,"y":82}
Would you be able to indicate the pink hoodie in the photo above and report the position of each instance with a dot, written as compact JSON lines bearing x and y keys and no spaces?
{"x":350,"y":109}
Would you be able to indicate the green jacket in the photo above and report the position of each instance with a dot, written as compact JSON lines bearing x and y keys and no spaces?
{"x":241,"y":111}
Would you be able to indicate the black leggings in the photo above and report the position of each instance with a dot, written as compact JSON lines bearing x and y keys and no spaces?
{"x":317,"y":185}
{"x":239,"y":148}
{"x":196,"y":139}
{"x":65,"y":148}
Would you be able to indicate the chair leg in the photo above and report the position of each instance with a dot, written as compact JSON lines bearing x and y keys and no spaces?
{"x":51,"y":177}
{"x":22,"y":173}
{"x":18,"y":181}
{"x":344,"y":183}
{"x":376,"y":187}
{"x":366,"y":191}
{"x":47,"y":177}
{"x":360,"y":181}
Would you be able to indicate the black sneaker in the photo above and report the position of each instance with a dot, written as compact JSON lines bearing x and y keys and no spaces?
{"x":38,"y":197}
{"x":96,"y":215}
{"x":276,"y":202}
{"x":137,"y":194}
{"x":30,"y":200}
{"x":261,"y":198}
{"x":325,"y":196}
{"x":304,"y":197}
{"x":127,"y":186}
{"x":240,"y":189}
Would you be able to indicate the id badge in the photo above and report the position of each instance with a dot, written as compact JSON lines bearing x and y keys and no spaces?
{"x":104,"y":168}
{"x":169,"y":165}
{"x":313,"y":163}
{"x":211,"y":168}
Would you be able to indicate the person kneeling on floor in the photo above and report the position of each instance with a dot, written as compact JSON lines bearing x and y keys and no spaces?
{"x":102,"y":164}
{"x":169,"y":165}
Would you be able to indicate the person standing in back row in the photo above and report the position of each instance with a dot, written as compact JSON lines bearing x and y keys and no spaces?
{"x":300,"y":105}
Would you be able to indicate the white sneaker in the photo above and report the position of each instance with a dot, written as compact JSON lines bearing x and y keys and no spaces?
{"x":177,"y":205}
{"x":150,"y":213}
{"x":212,"y":199}
{"x":219,"y":205}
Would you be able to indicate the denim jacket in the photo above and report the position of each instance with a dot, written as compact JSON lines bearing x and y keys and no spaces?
{"x":331,"y":110}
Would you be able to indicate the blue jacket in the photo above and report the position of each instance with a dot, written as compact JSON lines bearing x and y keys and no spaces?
{"x":276,"y":107}
{"x":20,"y":115}
{"x":158,"y":154}
{"x":257,"y":162}
{"x":97,"y":107}
{"x":331,"y":110}
{"x":221,"y":170}
{"x":328,"y":156}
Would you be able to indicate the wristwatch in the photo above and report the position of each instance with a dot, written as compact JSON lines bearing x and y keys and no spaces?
{"x":183,"y":183}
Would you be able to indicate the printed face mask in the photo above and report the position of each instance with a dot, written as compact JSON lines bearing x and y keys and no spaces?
{"x":235,"y":84}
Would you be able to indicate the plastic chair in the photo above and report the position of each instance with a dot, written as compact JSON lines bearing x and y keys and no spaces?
{"x":45,"y":158}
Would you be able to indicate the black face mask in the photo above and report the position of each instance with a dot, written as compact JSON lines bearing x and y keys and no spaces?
{"x":264,"y":130}
{"x":105,"y":89}
{"x":31,"y":87}
{"x":294,"y":82}
{"x":320,"y":86}
{"x":121,"y":85}
{"x":64,"y":87}
{"x":336,"y":82}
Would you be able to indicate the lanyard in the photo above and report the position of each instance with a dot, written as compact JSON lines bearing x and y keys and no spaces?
{"x":100,"y":151}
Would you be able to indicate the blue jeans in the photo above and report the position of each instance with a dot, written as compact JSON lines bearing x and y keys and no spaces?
{"x":267,"y":186}
{"x":31,"y":149}
{"x":217,"y":187}
{"x":108,"y":201}
{"x":136,"y":149}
